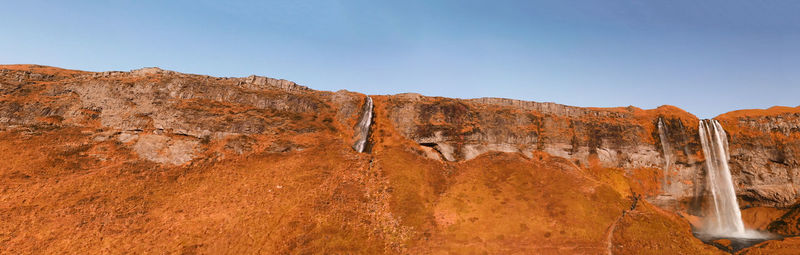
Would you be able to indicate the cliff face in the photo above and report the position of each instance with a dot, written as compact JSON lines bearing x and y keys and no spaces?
{"x":267,"y":165}
{"x":169,"y":117}
{"x":463,"y":129}
{"x":765,"y":154}
{"x":764,"y":144}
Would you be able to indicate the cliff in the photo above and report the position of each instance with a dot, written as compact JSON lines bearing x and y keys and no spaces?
{"x":764,"y":144}
{"x":765,"y":154}
{"x":193,"y":163}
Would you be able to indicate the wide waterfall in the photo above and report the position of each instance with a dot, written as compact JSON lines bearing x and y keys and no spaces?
{"x":362,"y":130}
{"x":726,"y":220}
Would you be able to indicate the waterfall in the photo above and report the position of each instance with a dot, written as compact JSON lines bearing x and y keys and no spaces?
{"x":362,"y":130}
{"x":727,"y":218}
{"x":662,"y":133}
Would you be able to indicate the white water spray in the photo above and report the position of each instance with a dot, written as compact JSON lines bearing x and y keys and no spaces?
{"x":727,"y":218}
{"x":363,"y":127}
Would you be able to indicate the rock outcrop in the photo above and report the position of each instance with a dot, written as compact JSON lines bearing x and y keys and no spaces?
{"x":164,"y":115}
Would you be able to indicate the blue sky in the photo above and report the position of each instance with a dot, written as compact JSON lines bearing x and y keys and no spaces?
{"x":707,"y":57}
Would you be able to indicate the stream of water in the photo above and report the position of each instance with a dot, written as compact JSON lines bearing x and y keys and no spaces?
{"x":363,"y":127}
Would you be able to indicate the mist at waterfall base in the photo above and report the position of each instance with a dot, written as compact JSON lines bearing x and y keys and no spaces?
{"x":725,"y":219}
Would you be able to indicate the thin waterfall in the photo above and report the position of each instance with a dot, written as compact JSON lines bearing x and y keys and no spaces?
{"x":727,"y":218}
{"x":362,"y":130}
{"x":662,"y":133}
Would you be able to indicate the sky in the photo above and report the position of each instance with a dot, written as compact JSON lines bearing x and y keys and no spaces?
{"x":707,"y":57}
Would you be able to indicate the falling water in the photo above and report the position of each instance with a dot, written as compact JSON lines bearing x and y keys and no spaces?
{"x":662,"y":133}
{"x":363,"y":127}
{"x":727,"y":218}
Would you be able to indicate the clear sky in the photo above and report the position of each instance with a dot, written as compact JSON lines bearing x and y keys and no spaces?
{"x":707,"y":57}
